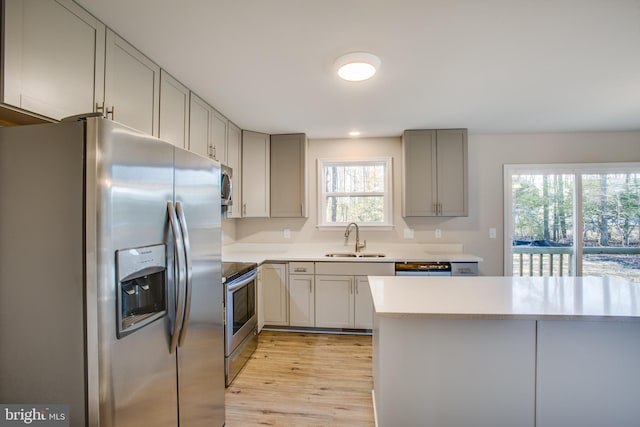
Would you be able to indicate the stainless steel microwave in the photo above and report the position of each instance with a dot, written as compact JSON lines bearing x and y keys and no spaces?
{"x":226,"y":187}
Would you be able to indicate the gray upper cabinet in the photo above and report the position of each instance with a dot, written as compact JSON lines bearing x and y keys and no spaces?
{"x":435,"y":172}
{"x":219,"y":135}
{"x":53,"y":57}
{"x":255,"y":174}
{"x":131,"y":86}
{"x":200,"y":117}
{"x":289,"y":176}
{"x":234,"y":161}
{"x":174,"y":111}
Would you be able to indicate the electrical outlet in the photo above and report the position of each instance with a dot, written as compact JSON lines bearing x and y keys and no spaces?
{"x":438,"y":233}
{"x":408,"y":233}
{"x":287,"y":233}
{"x":492,"y":233}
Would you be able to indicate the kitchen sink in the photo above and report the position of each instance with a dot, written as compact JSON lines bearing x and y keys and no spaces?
{"x":354,"y":255}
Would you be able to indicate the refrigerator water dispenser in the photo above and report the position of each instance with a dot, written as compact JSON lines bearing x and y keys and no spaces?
{"x":141,"y":288}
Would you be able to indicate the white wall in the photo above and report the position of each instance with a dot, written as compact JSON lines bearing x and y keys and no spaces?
{"x":487,"y":155}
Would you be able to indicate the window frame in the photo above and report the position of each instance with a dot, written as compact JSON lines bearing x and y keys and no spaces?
{"x":387,"y":194}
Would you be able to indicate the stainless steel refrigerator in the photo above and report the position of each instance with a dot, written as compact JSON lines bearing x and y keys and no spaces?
{"x":110,"y":277}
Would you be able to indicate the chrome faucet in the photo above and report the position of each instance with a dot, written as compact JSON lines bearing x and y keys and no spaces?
{"x":348,"y":231}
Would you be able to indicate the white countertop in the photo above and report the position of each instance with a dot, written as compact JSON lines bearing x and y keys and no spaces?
{"x":261,"y":252}
{"x":507,"y":297}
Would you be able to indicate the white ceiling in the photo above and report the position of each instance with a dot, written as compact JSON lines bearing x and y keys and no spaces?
{"x":492,"y":66}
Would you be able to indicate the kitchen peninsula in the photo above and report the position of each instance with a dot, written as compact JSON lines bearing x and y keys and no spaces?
{"x":506,"y":351}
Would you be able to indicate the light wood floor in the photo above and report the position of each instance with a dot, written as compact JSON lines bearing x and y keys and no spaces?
{"x":301,"y":379}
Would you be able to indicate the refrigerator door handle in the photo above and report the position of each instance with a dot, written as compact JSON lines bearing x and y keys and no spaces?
{"x":188,"y":277}
{"x":180,"y":295}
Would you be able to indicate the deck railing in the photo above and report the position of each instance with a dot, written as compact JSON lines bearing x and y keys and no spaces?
{"x":556,"y":260}
{"x":543,"y":260}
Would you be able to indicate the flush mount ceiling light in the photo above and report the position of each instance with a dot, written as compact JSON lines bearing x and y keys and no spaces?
{"x":354,"y":133}
{"x":357,"y":66}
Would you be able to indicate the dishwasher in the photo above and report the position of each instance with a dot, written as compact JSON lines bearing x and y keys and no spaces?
{"x":436,"y":268}
{"x":423,"y":268}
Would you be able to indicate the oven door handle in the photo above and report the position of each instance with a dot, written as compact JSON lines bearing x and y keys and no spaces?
{"x":234,"y":286}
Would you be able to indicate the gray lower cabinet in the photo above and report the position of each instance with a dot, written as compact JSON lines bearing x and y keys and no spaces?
{"x":301,"y":294}
{"x":53,"y":61}
{"x":363,"y":304}
{"x":343,"y":298}
{"x":334,"y":301}
{"x":435,"y":173}
{"x":318,"y":294}
{"x":288,"y":178}
{"x":273,"y":295}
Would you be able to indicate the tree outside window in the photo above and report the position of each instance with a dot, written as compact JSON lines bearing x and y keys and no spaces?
{"x":354,"y":191}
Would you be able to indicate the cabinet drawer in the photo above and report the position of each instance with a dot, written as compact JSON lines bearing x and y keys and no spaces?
{"x":301,"y":268}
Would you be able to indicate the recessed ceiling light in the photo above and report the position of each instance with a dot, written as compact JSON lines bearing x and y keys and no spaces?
{"x":357,"y":66}
{"x":354,"y":133}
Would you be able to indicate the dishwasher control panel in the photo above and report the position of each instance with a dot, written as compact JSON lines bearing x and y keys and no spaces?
{"x":464,"y":268}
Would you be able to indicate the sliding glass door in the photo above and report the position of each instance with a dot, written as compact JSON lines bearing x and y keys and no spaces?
{"x":565,"y":220}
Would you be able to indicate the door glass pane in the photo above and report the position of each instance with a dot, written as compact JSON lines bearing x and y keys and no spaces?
{"x":611,"y":225}
{"x":543,"y":225}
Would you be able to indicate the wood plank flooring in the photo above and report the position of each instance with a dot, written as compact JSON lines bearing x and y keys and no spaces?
{"x":303,"y":379}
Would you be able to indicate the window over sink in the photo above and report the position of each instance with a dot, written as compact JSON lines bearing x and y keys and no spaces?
{"x":355,"y":190}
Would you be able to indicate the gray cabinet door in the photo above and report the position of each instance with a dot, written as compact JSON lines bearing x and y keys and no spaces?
{"x":234,"y":161}
{"x":219,"y":135}
{"x":334,"y":301}
{"x":131,"y":86}
{"x":451,"y":172}
{"x":363,"y":308}
{"x":200,"y":116}
{"x":301,"y":300}
{"x":255,"y":174}
{"x":435,"y":173}
{"x":174,"y":111}
{"x":273,"y":295}
{"x":419,"y":162}
{"x":289,"y":176}
{"x":53,"y":57}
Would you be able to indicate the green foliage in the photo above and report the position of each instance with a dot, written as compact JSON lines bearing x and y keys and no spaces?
{"x":355,"y":192}
{"x":543,"y":208}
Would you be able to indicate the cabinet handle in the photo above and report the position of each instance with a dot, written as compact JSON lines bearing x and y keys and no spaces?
{"x":310,"y":290}
{"x":300,"y":270}
{"x":244,"y":209}
{"x":100,"y":108}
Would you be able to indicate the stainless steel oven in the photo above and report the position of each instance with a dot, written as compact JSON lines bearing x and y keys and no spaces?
{"x":241,"y":319}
